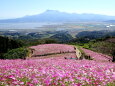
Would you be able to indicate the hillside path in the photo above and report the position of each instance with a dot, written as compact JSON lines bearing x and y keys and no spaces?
{"x":78,"y":53}
{"x":97,"y":56}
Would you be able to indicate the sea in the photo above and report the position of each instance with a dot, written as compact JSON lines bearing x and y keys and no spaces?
{"x":13,"y":26}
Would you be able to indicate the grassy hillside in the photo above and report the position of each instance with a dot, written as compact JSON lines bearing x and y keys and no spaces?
{"x":101,"y":46}
{"x":105,"y":46}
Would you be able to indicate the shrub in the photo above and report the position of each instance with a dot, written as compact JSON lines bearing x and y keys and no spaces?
{"x":19,"y":53}
{"x":113,"y":55}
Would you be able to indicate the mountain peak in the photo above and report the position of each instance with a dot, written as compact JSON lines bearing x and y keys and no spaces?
{"x":51,"y":10}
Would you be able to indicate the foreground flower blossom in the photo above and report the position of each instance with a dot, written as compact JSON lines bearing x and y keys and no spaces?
{"x":55,"y":72}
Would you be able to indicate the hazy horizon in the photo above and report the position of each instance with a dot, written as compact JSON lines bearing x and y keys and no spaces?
{"x":19,"y":8}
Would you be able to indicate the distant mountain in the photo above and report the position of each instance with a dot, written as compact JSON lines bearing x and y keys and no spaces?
{"x":57,"y":16}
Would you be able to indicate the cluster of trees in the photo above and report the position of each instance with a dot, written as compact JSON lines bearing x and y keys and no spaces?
{"x":7,"y":45}
{"x":95,"y":34}
{"x":18,"y":53}
{"x":62,"y":37}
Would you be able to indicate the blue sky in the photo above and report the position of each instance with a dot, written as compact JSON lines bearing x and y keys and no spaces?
{"x":19,"y":8}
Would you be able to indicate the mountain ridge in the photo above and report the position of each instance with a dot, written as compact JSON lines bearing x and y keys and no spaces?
{"x":57,"y":16}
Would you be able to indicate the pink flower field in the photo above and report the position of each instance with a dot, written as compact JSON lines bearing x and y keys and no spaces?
{"x":56,"y":72}
{"x":52,"y":49}
{"x":97,"y":56}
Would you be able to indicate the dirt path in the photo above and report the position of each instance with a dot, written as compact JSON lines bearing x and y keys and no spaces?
{"x":78,"y":53}
{"x":97,"y":56}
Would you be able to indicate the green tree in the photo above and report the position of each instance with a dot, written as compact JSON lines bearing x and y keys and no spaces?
{"x":19,"y":53}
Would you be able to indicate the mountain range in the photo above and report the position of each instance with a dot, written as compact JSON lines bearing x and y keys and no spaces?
{"x":57,"y":16}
